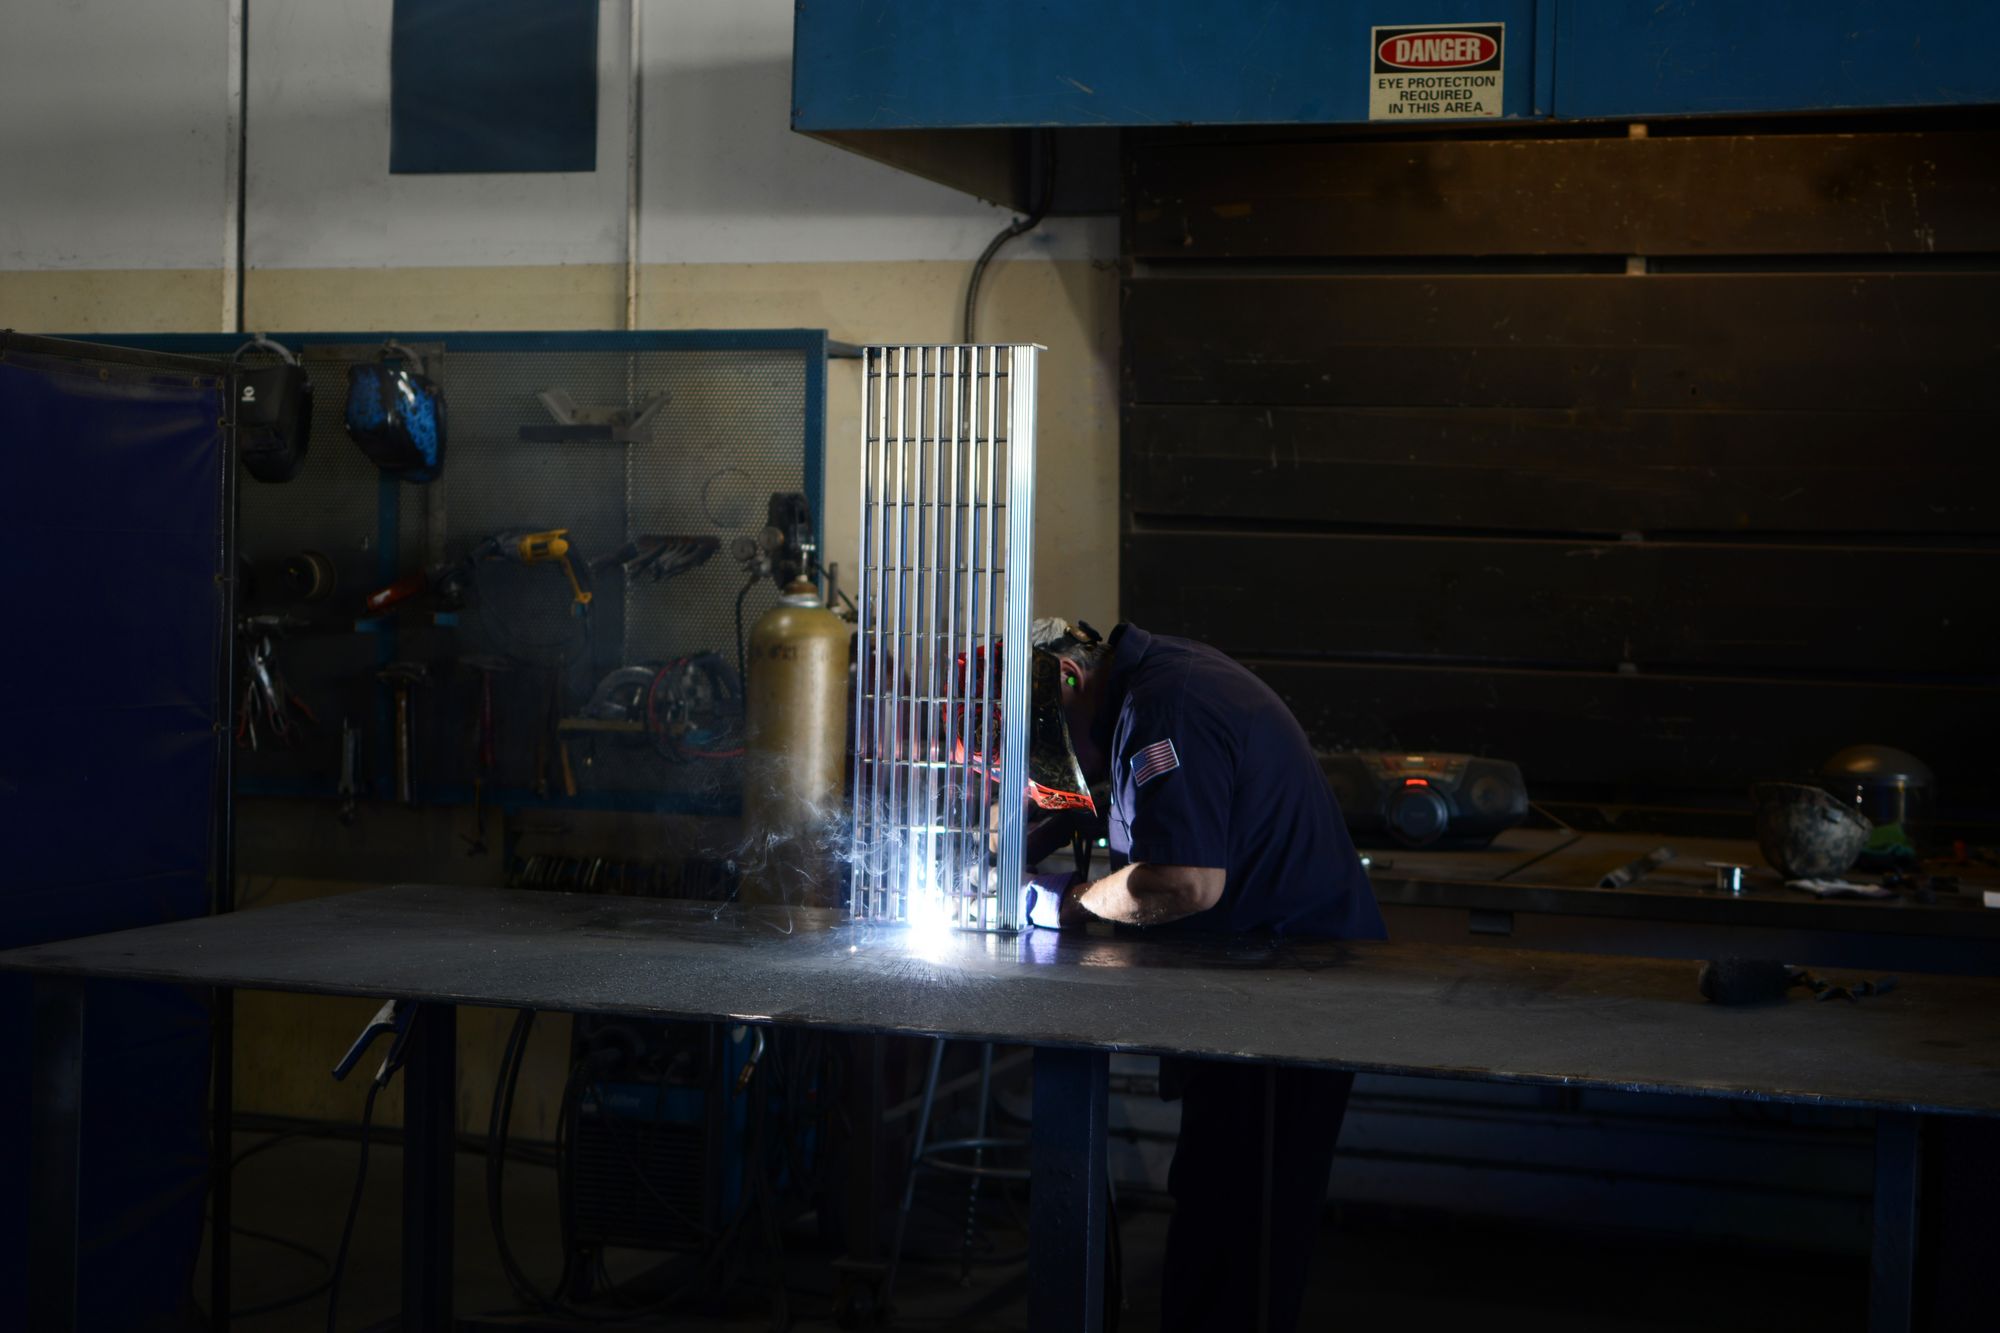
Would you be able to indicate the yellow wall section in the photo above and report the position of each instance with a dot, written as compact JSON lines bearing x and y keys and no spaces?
{"x":111,"y":300}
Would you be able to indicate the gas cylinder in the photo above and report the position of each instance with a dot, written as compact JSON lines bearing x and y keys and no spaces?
{"x":795,"y":752}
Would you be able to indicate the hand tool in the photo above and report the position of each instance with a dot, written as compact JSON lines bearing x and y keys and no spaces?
{"x":663,"y":557}
{"x":349,"y":742}
{"x":1633,"y":872}
{"x":1729,"y":876}
{"x":402,"y":590}
{"x":485,"y":747}
{"x":535,"y":548}
{"x":404,"y":677}
{"x":1823,"y":989}
{"x":269,"y":706}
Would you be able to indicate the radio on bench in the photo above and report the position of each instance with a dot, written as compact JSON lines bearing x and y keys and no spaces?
{"x":1457,"y":801}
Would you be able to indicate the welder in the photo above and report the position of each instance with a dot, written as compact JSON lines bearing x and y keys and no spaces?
{"x":1219,"y":820}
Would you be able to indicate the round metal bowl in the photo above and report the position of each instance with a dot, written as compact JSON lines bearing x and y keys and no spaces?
{"x":1806,"y":833}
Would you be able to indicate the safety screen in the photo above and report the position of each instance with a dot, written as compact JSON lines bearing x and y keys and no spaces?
{"x":947,"y":572}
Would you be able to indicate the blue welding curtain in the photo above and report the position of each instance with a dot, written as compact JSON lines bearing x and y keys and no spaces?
{"x":493,"y":85}
{"x":111,"y":486}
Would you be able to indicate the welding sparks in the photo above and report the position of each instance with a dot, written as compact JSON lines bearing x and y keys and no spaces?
{"x":924,"y":908}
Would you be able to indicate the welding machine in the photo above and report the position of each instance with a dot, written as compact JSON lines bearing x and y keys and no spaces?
{"x":1450,"y":801}
{"x":672,"y":1124}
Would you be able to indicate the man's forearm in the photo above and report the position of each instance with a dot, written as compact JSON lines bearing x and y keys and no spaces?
{"x":1149,"y":895}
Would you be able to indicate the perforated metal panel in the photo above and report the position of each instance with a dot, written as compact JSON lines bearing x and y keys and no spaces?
{"x":743,"y":420}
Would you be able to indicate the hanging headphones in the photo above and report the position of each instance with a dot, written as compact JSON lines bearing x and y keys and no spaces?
{"x":396,"y":414}
{"x":273,"y":414}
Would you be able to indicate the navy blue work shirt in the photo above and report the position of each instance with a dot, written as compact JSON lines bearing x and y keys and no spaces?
{"x":1209,"y":768}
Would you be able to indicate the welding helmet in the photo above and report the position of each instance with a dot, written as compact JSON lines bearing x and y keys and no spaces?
{"x":273,"y":415}
{"x":396,"y":414}
{"x":1055,"y":777}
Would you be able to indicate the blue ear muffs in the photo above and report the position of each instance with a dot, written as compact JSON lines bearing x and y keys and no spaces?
{"x":396,"y":415}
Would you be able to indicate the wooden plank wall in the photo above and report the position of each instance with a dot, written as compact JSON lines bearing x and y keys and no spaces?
{"x":1659,"y":464}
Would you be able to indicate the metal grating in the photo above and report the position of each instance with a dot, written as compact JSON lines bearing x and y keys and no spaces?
{"x":947,"y":572}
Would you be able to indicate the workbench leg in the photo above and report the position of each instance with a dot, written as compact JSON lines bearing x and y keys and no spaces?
{"x":56,"y":1153}
{"x":222,"y":1153}
{"x":1893,"y":1267}
{"x":430,"y":1149}
{"x":1069,"y":1196}
{"x":868,"y":1104}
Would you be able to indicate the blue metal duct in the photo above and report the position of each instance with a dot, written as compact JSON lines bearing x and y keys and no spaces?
{"x":874,"y":65}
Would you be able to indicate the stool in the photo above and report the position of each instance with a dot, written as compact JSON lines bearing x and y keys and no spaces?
{"x":925,"y":1155}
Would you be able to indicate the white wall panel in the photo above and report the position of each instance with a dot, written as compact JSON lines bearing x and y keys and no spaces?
{"x":112,"y":134}
{"x":113,"y":152}
{"x":727,"y":181}
{"x":321,"y":195}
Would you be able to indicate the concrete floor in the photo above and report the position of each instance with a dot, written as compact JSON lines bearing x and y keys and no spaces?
{"x":1377,"y":1269}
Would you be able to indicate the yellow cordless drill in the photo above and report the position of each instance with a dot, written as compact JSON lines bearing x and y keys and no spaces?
{"x":534,"y":548}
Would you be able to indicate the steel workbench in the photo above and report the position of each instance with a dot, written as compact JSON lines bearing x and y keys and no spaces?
{"x":1930,"y":1048}
{"x":1537,"y":888}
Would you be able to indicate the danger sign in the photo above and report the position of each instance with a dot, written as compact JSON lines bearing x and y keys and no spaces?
{"x":1436,"y":71}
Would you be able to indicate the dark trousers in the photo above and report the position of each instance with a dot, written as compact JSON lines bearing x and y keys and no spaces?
{"x":1215,"y":1242}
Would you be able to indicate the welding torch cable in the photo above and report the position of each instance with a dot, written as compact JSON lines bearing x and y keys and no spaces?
{"x":498,"y":1127}
{"x":353,"y":1209}
{"x":499,"y":1123}
{"x":1009,"y":232}
{"x":341,"y":1129}
{"x":720,"y":1243}
{"x":499,"y":1119}
{"x":282,"y":1302}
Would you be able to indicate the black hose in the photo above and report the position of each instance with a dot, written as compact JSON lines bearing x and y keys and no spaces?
{"x":499,"y":1119}
{"x":353,"y":1210}
{"x":742,"y":669}
{"x":1016,"y":228}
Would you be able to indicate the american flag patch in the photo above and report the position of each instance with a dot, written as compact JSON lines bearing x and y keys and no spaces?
{"x":1155,"y":759}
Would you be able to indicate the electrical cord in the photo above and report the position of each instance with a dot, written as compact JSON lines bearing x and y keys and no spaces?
{"x":337,"y":1129}
{"x":353,"y":1209}
{"x":499,"y":1119}
{"x":282,"y":1302}
{"x":787,"y":1069}
{"x":701,"y":742}
{"x":1018,"y":227}
{"x":498,"y":1125}
{"x":742,"y":663}
{"x":297,"y":1298}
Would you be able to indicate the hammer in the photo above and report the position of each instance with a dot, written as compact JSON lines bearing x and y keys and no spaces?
{"x":404,"y":677}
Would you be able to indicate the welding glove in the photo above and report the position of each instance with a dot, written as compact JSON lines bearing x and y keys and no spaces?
{"x":1042,"y":897}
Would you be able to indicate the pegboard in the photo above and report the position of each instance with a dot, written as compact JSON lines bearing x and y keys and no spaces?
{"x":744,"y":417}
